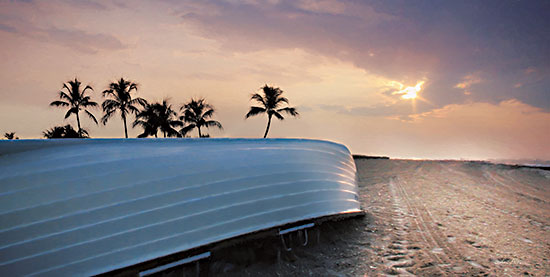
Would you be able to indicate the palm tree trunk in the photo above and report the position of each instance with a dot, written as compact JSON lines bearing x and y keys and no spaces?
{"x":125,"y":128}
{"x":78,"y":123}
{"x":268,"y":123}
{"x":199,"y":128}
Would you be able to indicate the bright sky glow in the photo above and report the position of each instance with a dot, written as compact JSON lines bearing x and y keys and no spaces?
{"x":410,"y":92}
{"x":336,"y":61}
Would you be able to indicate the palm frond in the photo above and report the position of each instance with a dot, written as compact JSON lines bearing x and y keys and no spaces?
{"x":143,"y":135}
{"x":259,"y":98}
{"x":70,"y":91}
{"x":71,"y":111}
{"x":208,"y":113}
{"x":206,"y":106}
{"x":108,"y":92}
{"x":63,"y":95}
{"x":92,"y":117}
{"x":281,"y":100}
{"x":213,"y":123}
{"x":133,"y":109}
{"x":277,"y":115}
{"x":86,"y":88}
{"x":110,"y":104}
{"x":139,"y":101}
{"x":175,"y":123}
{"x":107,"y":116}
{"x":255,"y":111}
{"x":133,"y":86}
{"x":113,"y":86}
{"x":289,"y":110}
{"x":88,"y":103}
{"x":59,"y":103}
{"x":187,"y":129}
{"x":139,"y":122}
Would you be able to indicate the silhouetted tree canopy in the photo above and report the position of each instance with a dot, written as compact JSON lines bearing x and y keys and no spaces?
{"x":76,"y":100}
{"x":270,"y":102}
{"x":158,"y":117}
{"x":120,"y":99}
{"x":196,"y":113}
{"x":66,"y":131}
{"x":10,"y":135}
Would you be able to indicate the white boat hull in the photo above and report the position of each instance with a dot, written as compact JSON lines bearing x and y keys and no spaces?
{"x":86,"y":207}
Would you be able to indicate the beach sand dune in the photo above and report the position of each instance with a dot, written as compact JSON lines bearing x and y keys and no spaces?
{"x":423,"y":218}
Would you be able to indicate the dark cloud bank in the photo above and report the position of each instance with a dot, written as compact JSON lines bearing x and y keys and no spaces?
{"x":505,"y":42}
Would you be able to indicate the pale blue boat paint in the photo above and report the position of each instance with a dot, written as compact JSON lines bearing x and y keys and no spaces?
{"x":89,"y":206}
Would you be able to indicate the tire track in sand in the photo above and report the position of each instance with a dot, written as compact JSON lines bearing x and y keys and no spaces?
{"x":445,"y":259}
{"x":399,"y":258}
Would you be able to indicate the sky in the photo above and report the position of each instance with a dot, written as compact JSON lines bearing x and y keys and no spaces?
{"x":405,"y":79}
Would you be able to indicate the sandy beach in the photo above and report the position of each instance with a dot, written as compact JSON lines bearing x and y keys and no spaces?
{"x":423,"y":218}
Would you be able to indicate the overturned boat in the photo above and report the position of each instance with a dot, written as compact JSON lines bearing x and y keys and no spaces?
{"x":93,"y":206}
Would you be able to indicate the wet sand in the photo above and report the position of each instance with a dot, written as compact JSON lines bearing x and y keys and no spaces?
{"x":423,"y":218}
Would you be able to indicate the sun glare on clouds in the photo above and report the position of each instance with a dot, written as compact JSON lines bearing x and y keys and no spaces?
{"x":408,"y":92}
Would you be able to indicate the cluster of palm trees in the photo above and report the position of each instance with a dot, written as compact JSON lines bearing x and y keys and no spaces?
{"x":66,"y":131}
{"x":154,"y":117}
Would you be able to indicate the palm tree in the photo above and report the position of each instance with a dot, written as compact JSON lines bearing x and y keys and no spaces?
{"x":197,"y":113}
{"x":158,"y":116}
{"x":10,"y":135}
{"x":270,"y":103}
{"x":168,"y":119}
{"x":148,"y":120}
{"x":77,"y":100}
{"x":66,"y":131}
{"x":121,"y":100}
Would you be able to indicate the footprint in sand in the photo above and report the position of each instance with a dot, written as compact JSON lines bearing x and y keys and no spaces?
{"x":526,"y":240}
{"x":500,"y":260}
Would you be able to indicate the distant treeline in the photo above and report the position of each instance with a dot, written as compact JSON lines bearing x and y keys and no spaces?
{"x":511,"y":166}
{"x":364,"y":157}
{"x":152,"y":117}
{"x":516,"y":166}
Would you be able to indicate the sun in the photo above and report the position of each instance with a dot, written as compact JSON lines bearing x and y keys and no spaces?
{"x":410,"y":92}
